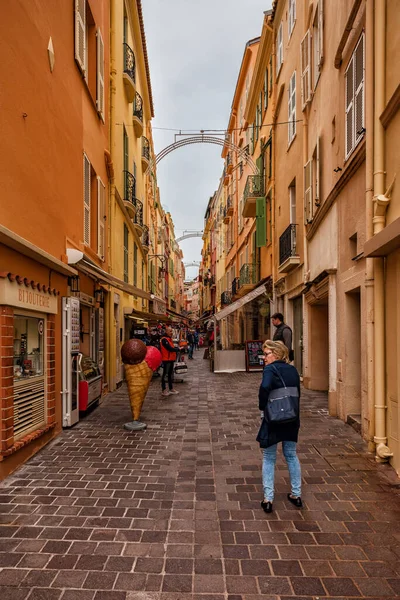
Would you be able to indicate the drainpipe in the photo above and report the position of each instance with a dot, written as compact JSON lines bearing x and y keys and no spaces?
{"x":381,"y":202}
{"x":273,"y":213}
{"x":369,"y":192}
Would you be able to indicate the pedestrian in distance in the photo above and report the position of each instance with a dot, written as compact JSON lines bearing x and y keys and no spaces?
{"x":196,"y":340}
{"x":190,"y":341}
{"x":278,"y":374}
{"x":283,"y":333}
{"x":168,"y":353}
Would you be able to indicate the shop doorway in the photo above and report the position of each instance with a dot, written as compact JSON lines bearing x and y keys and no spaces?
{"x":353,"y":354}
{"x":318,"y":331}
{"x":298,"y":333}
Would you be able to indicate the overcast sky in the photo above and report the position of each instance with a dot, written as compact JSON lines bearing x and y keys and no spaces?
{"x":195,"y":50}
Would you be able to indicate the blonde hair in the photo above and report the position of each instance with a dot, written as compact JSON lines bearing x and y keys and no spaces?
{"x":278,"y":349}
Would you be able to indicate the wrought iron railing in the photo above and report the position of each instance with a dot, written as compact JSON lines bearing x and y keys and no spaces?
{"x":254,"y":187}
{"x":248,"y":274}
{"x":129,"y":187}
{"x":287,"y":244}
{"x":145,"y":148}
{"x":139,"y":213}
{"x":129,"y":62}
{"x":226,"y":298}
{"x":145,"y":236}
{"x":235,"y":286}
{"x":138,"y":107}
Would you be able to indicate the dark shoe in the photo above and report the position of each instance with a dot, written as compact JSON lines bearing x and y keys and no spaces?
{"x":296,"y":501}
{"x":266,"y":506}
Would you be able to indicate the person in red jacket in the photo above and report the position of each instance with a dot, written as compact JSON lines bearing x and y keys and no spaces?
{"x":168,"y":353}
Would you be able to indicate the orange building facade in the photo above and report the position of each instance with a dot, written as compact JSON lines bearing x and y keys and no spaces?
{"x":54,"y":122}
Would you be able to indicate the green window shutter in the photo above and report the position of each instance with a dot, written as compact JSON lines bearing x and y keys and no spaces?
{"x":260,"y":164}
{"x":261,"y":225}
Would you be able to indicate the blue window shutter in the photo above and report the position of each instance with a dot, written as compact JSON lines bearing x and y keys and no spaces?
{"x":261,"y":223}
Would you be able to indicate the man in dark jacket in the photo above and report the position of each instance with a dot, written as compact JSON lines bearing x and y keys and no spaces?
{"x":283,"y":333}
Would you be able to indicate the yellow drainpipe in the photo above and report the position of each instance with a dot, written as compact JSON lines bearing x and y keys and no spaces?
{"x":379,"y":219}
{"x":369,"y":192}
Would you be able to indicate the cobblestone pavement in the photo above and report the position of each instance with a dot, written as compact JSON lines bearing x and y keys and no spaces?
{"x":173,"y":513}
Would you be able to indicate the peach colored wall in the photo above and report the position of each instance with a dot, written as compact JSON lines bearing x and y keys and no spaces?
{"x":41,"y":157}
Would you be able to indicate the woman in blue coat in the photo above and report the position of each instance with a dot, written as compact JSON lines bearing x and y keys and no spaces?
{"x":270,"y":434}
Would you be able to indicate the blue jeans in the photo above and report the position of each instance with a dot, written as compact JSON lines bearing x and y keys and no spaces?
{"x":190,"y":348}
{"x":268,"y":469}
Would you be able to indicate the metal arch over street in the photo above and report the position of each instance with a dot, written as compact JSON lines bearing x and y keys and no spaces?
{"x":192,"y":264}
{"x":203,"y":139}
{"x":186,"y":236}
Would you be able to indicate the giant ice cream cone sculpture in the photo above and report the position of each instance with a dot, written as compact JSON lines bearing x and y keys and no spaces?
{"x":140,"y":362}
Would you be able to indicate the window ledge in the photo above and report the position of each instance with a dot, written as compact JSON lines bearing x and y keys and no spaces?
{"x":26,"y":440}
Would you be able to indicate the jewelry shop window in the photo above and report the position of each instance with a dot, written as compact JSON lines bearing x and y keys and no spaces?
{"x":29,"y":374}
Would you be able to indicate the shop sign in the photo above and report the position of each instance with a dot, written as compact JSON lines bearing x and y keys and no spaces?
{"x":159,"y":307}
{"x":86,"y":299}
{"x":13,"y":294}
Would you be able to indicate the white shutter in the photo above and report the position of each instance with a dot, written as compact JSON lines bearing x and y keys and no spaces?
{"x":305,"y":56}
{"x":279,"y":50}
{"x":359,"y":90}
{"x":318,"y":163}
{"x":349,"y":107}
{"x":308,"y":199}
{"x":101,"y":196}
{"x":321,"y":32}
{"x":292,"y":107}
{"x":100,"y":75}
{"x":86,"y":200}
{"x":292,"y":16}
{"x":80,"y":34}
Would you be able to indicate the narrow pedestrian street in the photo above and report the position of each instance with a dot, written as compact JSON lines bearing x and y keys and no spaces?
{"x":173,"y":513}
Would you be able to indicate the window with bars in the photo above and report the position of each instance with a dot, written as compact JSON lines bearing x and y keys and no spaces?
{"x":126,"y":254}
{"x":355,"y":98}
{"x":279,"y":49}
{"x":292,"y":108}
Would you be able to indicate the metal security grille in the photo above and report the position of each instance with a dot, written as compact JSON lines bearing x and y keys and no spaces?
{"x":29,"y":406}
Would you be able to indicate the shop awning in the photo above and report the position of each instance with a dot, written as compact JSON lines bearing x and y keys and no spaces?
{"x":131,"y":313}
{"x":92,"y":269}
{"x":176,"y":315}
{"x":241,"y":302}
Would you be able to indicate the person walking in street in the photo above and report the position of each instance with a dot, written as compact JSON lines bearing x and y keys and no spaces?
{"x":190,"y":341}
{"x":196,"y":339}
{"x":278,"y":371}
{"x":283,"y":333}
{"x":168,"y":353}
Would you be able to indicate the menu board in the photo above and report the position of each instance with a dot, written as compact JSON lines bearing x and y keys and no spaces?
{"x":254,"y":355}
{"x":75,"y":325}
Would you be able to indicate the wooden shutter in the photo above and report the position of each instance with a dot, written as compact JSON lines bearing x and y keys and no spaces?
{"x":29,"y":406}
{"x":305,"y":55}
{"x":359,"y":90}
{"x":80,"y":34}
{"x":321,"y":32}
{"x":308,"y":199}
{"x":86,"y":199}
{"x":349,"y":107}
{"x":101,"y":196}
{"x":261,"y":224}
{"x":317,"y":199}
{"x":100,"y":75}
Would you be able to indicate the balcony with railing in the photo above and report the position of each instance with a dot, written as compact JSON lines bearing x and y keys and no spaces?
{"x":235,"y":286}
{"x":225,"y":177}
{"x":145,"y":239}
{"x":129,"y":73}
{"x":254,"y":189}
{"x":229,"y":206}
{"x":227,"y":217}
{"x":137,"y":116}
{"x":226,"y":298}
{"x":229,"y":162}
{"x":145,"y":152}
{"x":130,"y":193}
{"x":248,"y":278}
{"x":288,"y":256}
{"x":138,"y":220}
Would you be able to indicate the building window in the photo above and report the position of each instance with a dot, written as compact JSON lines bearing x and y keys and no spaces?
{"x":126,"y":254}
{"x":279,"y":49}
{"x":312,"y":184}
{"x":266,"y":89}
{"x":291,"y":16}
{"x":89,"y":53}
{"x":135,"y":263}
{"x":292,"y":108}
{"x":101,"y":206}
{"x":87,"y":184}
{"x":305,"y":50}
{"x":292,"y":202}
{"x":94,"y":209}
{"x":318,"y":39}
{"x":355,"y":98}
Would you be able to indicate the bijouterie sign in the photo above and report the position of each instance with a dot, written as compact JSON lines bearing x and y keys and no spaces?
{"x":13,"y":294}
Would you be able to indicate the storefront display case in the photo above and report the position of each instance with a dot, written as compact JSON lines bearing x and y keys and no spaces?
{"x":90,"y":382}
